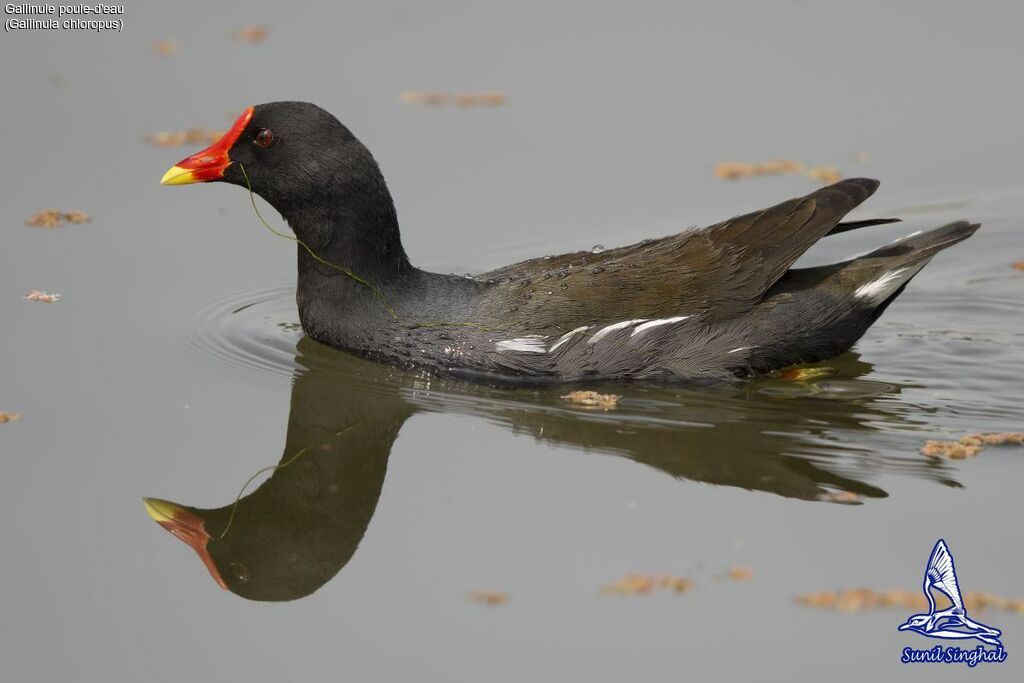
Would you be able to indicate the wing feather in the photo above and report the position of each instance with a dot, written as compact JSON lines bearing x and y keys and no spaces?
{"x":941,"y":574}
{"x":721,"y":271}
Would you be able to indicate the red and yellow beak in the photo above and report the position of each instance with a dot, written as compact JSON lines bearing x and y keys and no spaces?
{"x":187,"y":526}
{"x":211,"y":163}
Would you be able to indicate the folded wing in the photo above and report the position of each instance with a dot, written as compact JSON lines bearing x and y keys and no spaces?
{"x":722,"y":270}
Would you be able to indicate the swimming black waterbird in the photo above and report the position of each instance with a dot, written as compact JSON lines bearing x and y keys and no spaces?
{"x":704,"y":304}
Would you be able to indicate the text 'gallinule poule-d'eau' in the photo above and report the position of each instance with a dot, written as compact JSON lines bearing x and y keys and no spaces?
{"x":705,"y":304}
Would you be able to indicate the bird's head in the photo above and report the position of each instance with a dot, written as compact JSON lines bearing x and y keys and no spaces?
{"x":261,"y":557}
{"x":915,"y":622}
{"x":297,"y":156}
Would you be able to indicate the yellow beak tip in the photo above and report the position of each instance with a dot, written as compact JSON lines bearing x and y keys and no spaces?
{"x":176,"y":175}
{"x":159,"y":510}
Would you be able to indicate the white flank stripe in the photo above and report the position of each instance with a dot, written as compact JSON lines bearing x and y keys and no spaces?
{"x":655,"y":323}
{"x":614,"y":326}
{"x":532,"y":344}
{"x":567,"y":336}
{"x":740,"y":348}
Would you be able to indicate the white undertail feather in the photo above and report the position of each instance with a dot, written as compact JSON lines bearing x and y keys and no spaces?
{"x":881,"y":288}
{"x":656,"y":323}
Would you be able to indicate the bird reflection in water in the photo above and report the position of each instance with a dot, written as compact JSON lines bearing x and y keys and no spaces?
{"x":296,"y":530}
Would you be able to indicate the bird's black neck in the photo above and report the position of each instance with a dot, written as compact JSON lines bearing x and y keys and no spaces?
{"x":353,"y":225}
{"x":350,"y":225}
{"x":355,"y":282}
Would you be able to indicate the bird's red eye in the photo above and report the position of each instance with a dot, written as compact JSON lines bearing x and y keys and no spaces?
{"x":240,"y":571}
{"x":264,"y":138}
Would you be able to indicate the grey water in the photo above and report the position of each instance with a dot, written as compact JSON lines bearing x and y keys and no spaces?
{"x":172,"y":367}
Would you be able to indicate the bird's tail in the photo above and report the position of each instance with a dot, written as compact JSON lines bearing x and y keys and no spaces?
{"x":878,"y":277}
{"x":874,"y":279}
{"x":828,"y":308}
{"x":923,"y":244}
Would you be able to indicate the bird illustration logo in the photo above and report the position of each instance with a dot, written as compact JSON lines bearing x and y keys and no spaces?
{"x":952,"y":622}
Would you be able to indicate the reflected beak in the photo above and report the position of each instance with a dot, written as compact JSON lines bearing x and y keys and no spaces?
{"x":211,"y":163}
{"x":187,"y":526}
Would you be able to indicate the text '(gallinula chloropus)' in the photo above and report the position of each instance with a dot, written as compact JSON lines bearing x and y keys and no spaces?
{"x":704,"y":304}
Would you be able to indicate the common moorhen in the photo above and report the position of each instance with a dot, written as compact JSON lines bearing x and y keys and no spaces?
{"x":714,"y":303}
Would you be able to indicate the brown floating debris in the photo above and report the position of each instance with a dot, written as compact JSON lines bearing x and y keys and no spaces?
{"x":822,"y":174}
{"x":192,"y":136}
{"x":166,"y":48}
{"x":643,"y":584}
{"x":1019,"y":265}
{"x":741,"y":573}
{"x":732,"y":170}
{"x":51,"y":218}
{"x":593,"y":399}
{"x":8,"y":417}
{"x":952,"y":450}
{"x":40,"y":295}
{"x":997,"y":439}
{"x":970,"y":445}
{"x":676,"y":584}
{"x":492,"y":598}
{"x":252,"y":34}
{"x":841,"y":497}
{"x":821,"y":599}
{"x":77,"y":217}
{"x":47,"y":218}
{"x":862,"y":599}
{"x":489,"y":98}
{"x":631,"y":584}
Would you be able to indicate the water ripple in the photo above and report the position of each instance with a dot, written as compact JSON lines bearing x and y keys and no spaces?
{"x":250,"y":328}
{"x":849,"y":430}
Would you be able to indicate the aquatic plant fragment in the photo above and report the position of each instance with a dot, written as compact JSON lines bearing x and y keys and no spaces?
{"x":740,"y":573}
{"x":733,"y":170}
{"x":40,"y":295}
{"x":593,"y":399}
{"x":166,"y":48}
{"x":644,"y":584}
{"x":52,"y":218}
{"x":492,"y":598}
{"x":970,"y":445}
{"x":487,"y":98}
{"x":252,"y":34}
